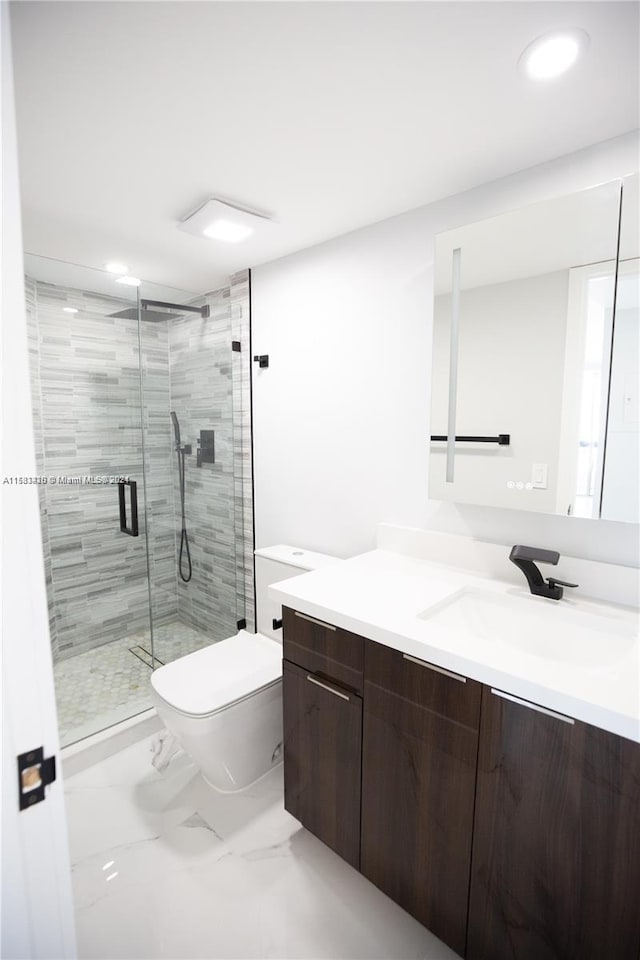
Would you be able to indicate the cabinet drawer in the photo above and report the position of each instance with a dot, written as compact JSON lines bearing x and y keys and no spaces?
{"x":323,"y":649}
{"x":428,"y":686}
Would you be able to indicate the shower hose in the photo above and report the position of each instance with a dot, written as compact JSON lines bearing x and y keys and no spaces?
{"x":184,"y":539}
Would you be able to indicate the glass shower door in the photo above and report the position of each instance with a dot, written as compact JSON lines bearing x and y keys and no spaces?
{"x":85,"y":373}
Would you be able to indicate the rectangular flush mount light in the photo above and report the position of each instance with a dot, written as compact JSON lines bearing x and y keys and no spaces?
{"x":219,"y":220}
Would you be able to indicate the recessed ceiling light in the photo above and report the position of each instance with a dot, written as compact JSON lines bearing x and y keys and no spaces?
{"x":70,"y":309}
{"x":129,"y":281}
{"x":220,"y":220}
{"x":553,"y":54}
{"x":114,"y":267}
{"x":226,"y":230}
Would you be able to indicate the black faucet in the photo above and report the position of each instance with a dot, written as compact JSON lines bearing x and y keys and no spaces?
{"x":524,"y":557}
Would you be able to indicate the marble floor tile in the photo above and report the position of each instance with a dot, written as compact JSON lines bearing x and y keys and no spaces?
{"x":102,"y":687}
{"x":164,"y":867}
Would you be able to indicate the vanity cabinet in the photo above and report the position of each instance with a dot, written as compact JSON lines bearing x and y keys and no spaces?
{"x":556,"y":851}
{"x":510,"y":831}
{"x":420,"y":748}
{"x":322,"y":707}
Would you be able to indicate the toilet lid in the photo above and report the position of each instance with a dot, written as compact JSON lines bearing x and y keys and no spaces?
{"x":220,"y":674}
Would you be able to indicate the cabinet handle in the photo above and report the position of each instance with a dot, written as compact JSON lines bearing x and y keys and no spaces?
{"x":430,"y":666}
{"x":303,"y":616}
{"x":325,"y":687}
{"x":532,"y":706}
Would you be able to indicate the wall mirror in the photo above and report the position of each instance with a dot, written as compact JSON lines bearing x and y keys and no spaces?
{"x":535,"y":402}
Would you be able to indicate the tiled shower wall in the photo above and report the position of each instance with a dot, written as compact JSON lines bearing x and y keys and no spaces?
{"x":85,"y":385}
{"x":208,"y":390}
{"x":89,"y":414}
{"x":159,"y":466}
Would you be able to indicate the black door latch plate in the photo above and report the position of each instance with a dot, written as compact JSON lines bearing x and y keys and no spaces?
{"x":34,"y":773}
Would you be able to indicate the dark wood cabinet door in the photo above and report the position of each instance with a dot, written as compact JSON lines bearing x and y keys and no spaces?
{"x":322,"y":759}
{"x":556,"y":852}
{"x":418,"y":785}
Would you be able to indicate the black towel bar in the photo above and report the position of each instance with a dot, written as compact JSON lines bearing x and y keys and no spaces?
{"x":503,"y":439}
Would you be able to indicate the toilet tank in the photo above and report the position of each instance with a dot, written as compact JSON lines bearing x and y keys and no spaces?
{"x":274,"y":564}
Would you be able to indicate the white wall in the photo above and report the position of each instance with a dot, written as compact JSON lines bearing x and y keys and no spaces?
{"x":621,"y":492}
{"x":36,"y":907}
{"x":341,"y":415}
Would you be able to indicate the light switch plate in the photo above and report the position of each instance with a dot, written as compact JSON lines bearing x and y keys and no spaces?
{"x":539,"y":472}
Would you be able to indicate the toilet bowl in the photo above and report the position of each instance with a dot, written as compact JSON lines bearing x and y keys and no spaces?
{"x":223,"y":703}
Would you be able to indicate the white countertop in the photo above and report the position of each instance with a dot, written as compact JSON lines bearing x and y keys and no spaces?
{"x":381,"y":595}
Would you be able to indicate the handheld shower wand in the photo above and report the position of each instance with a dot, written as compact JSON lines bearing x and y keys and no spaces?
{"x":184,"y":539}
{"x":176,"y":428}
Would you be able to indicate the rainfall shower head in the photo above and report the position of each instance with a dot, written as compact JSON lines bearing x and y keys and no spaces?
{"x":131,"y":313}
{"x":166,"y":311}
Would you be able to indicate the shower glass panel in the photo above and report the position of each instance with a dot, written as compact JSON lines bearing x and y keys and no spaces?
{"x":85,"y":375}
{"x":193,"y":521}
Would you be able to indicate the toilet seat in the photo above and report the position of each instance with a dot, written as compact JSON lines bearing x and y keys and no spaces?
{"x":212,"y":679}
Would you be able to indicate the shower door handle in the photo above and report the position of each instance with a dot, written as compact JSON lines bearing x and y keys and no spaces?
{"x":132,"y":530}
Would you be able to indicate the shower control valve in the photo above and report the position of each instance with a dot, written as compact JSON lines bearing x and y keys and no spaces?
{"x":206,"y":447}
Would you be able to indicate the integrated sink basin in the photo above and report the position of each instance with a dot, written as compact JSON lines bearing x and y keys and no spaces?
{"x":546,"y":629}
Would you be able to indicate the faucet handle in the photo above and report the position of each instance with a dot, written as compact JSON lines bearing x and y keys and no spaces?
{"x":560,"y":583}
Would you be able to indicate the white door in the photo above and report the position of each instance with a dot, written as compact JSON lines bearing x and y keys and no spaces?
{"x":36,"y":917}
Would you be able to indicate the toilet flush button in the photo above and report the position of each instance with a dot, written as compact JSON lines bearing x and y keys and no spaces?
{"x":298,"y":553}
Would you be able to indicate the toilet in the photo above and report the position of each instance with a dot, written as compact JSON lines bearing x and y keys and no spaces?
{"x":223,"y":703}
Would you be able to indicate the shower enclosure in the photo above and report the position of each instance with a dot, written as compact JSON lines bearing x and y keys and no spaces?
{"x":142,"y":430}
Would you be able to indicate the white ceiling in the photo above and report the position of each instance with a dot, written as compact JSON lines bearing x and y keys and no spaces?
{"x":328,"y":115}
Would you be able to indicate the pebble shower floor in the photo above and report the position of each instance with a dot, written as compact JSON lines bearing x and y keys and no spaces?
{"x":101,"y":687}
